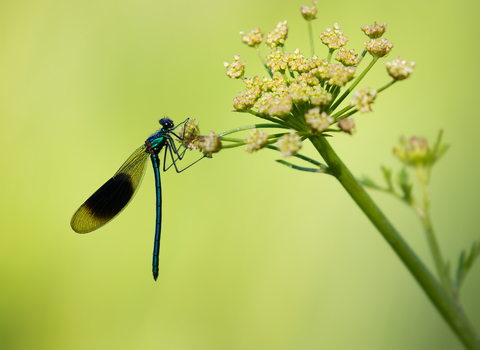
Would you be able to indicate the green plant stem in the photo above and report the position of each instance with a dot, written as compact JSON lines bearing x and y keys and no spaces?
{"x":263,"y":62}
{"x":301,"y":168}
{"x":354,"y":84}
{"x":339,"y":113}
{"x":386,"y":86}
{"x":310,"y":34}
{"x":234,"y":145}
{"x":454,"y":316}
{"x":423,"y":176}
{"x":260,"y":56}
{"x":270,"y":119}
{"x":436,"y":253}
{"x":330,"y":53}
{"x":302,"y":157}
{"x":362,"y":56}
{"x":253,"y":126}
{"x":346,"y":115}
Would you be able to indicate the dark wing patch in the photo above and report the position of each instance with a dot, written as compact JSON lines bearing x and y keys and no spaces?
{"x":110,"y":199}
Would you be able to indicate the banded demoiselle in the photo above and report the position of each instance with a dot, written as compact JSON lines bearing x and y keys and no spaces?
{"x":110,"y":199}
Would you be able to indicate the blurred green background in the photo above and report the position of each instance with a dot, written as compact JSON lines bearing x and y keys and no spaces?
{"x":254,"y":255}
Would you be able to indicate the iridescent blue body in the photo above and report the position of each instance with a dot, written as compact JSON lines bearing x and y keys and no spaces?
{"x":110,"y":199}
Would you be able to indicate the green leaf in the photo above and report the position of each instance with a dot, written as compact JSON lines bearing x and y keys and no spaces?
{"x":439,"y":149}
{"x":466,"y":261}
{"x":405,"y":185}
{"x":368,"y":182}
{"x":387,"y":174}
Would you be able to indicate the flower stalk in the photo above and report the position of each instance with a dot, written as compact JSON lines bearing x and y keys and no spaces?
{"x":354,"y":84}
{"x":453,"y":315}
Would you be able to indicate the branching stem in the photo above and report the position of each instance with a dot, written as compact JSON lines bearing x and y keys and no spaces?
{"x":454,"y":316}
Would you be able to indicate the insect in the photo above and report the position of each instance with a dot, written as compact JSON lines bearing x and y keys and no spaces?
{"x":110,"y":199}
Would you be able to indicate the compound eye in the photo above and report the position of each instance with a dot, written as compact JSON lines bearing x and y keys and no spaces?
{"x":167,"y":123}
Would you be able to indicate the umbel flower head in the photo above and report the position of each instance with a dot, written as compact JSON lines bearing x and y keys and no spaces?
{"x":347,"y":58}
{"x":362,"y":100}
{"x":309,"y":13}
{"x":347,"y":125}
{"x":210,"y":144}
{"x":316,"y":121}
{"x":306,"y":84}
{"x":334,"y":38}
{"x":417,"y":152}
{"x":399,"y":69}
{"x":378,"y":47}
{"x":257,"y":140}
{"x":189,"y":133}
{"x":236,"y":69}
{"x":253,"y":38}
{"x":289,"y":144}
{"x":376,"y":31}
{"x":278,"y":35}
{"x":306,"y":95}
{"x":189,"y":137}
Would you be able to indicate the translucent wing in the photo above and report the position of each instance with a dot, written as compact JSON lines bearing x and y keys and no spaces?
{"x":110,"y":199}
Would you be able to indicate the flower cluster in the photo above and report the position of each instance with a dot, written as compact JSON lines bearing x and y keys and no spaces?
{"x":302,"y":93}
{"x":347,"y":58}
{"x":253,"y":38}
{"x":417,"y":152}
{"x":361,"y":100}
{"x":399,"y":69}
{"x":278,"y":35}
{"x":275,"y":105}
{"x":376,"y":31}
{"x":257,"y":140}
{"x":209,"y":144}
{"x":347,"y":125}
{"x":189,"y":134}
{"x":334,"y":38}
{"x":274,"y":97}
{"x":309,"y":13}
{"x":318,"y":121}
{"x":236,"y":69}
{"x":378,"y":48}
{"x":289,"y":144}
{"x":340,"y":75}
{"x":276,"y":61}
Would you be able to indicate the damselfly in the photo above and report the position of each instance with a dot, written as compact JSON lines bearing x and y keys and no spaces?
{"x":110,"y":199}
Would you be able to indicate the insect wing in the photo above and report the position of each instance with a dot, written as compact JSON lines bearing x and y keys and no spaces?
{"x":110,"y":199}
